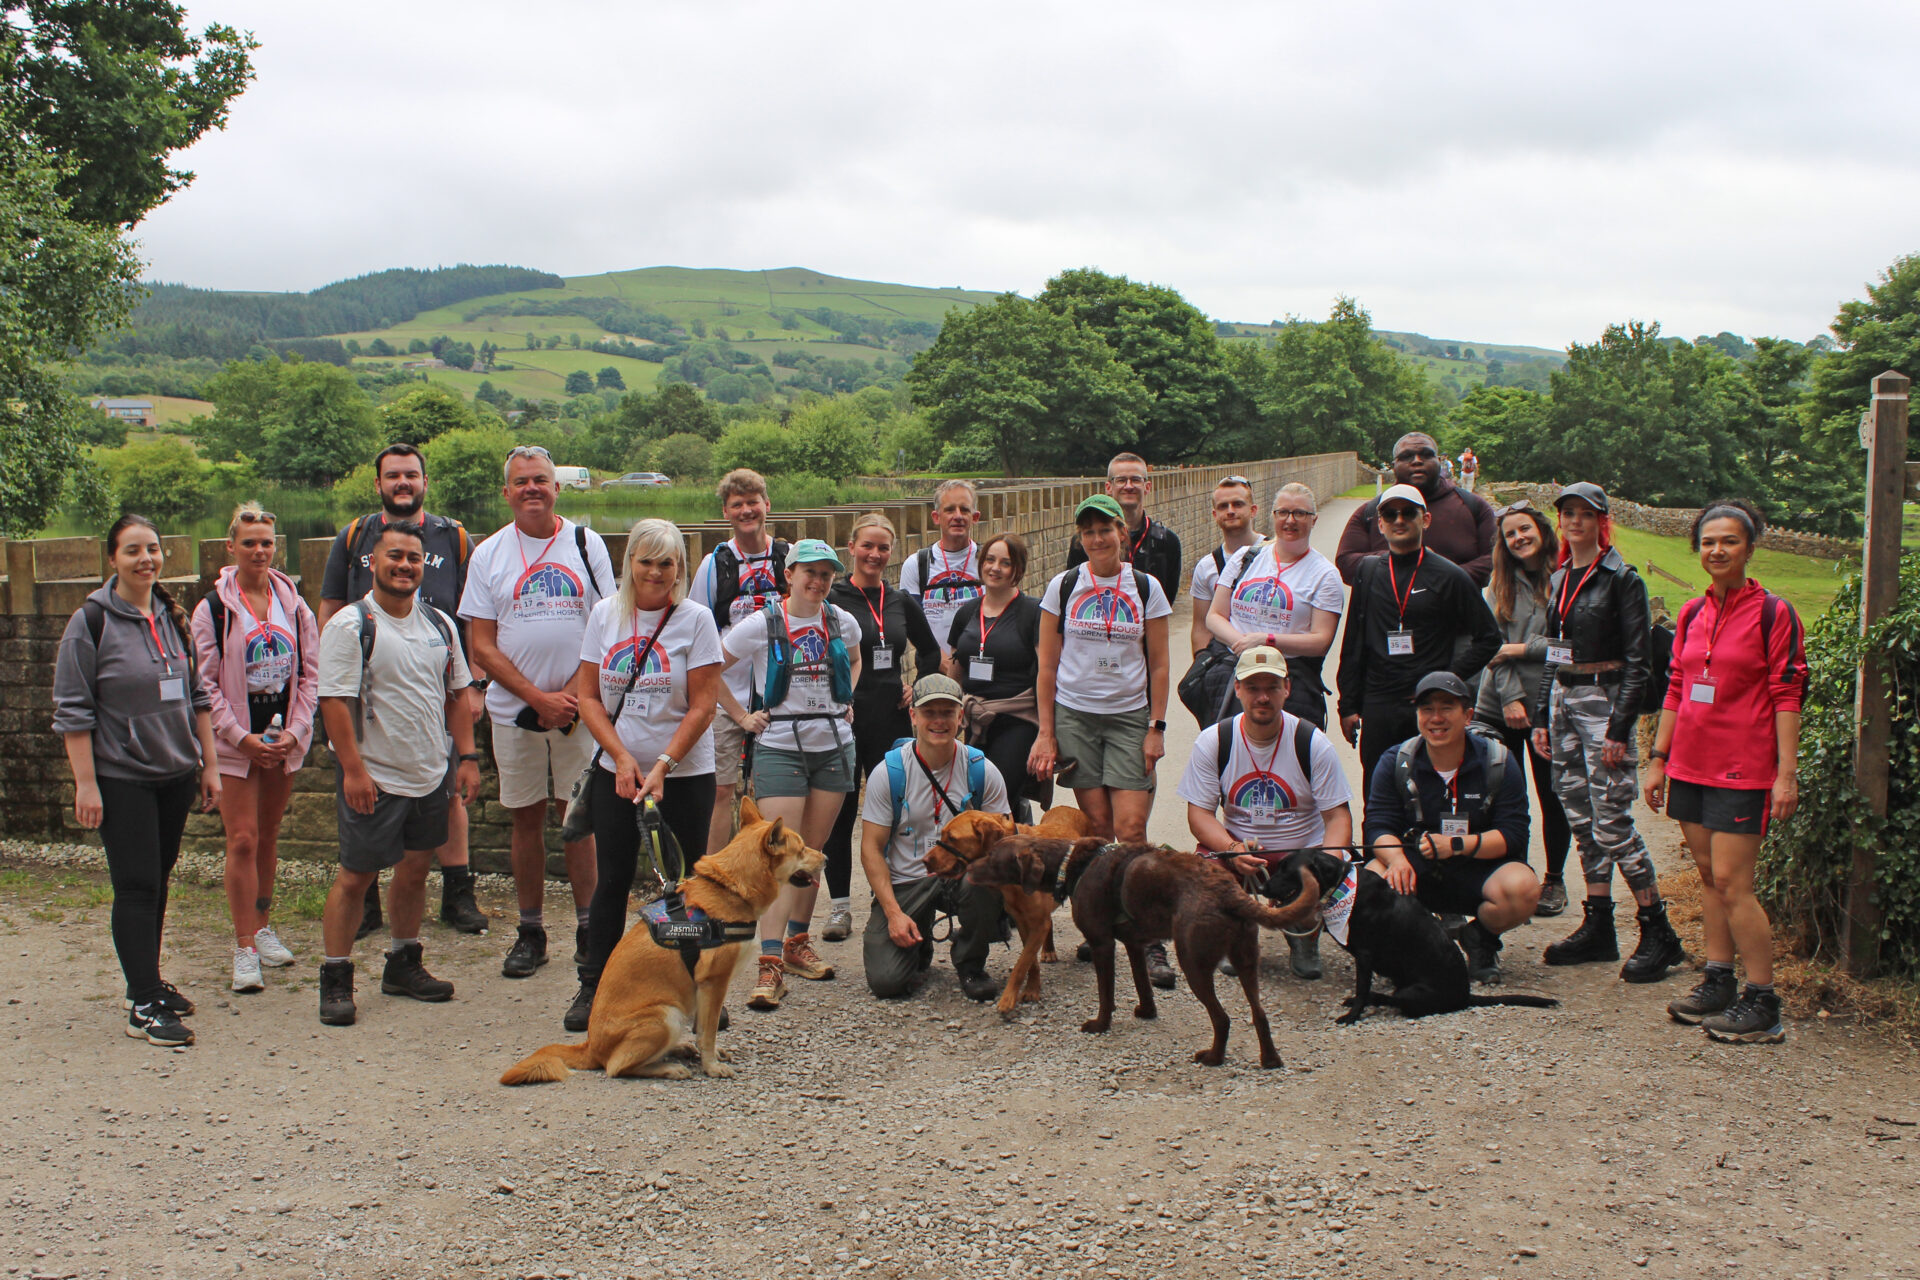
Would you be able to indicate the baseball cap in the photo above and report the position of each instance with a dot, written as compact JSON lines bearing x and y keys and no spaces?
{"x":1102,"y":505}
{"x":1261,"y":660}
{"x":935,"y":688}
{"x":1403,"y":493}
{"x":1442,"y":682}
{"x":1591,"y":494}
{"x":810,"y":550}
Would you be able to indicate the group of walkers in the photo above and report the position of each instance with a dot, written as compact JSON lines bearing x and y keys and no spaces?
{"x":1478,"y":641}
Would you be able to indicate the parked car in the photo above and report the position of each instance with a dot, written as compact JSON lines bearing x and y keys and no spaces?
{"x":637,"y":480}
{"x":573,"y":478}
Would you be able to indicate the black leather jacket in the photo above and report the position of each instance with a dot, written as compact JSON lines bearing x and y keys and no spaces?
{"x":1609,"y":619}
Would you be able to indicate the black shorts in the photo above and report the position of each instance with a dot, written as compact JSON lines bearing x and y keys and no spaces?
{"x":1456,"y":884}
{"x":378,"y":840}
{"x":1740,"y":813}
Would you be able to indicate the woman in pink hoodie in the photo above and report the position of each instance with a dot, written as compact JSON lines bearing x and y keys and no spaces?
{"x":259,"y":650}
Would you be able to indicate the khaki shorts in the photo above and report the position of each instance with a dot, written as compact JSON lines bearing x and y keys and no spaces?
{"x":729,"y":740}
{"x":1109,"y":749}
{"x":529,"y":760}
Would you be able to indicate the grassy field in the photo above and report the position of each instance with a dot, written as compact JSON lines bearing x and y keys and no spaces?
{"x":1808,"y":584}
{"x":178,"y":409}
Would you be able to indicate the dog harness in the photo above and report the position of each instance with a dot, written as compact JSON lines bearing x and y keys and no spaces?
{"x":1336,"y":913}
{"x":689,"y":930}
{"x":1067,"y":877}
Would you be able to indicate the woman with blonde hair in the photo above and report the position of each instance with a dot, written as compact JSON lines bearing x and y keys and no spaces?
{"x":259,"y":645}
{"x":648,"y":681}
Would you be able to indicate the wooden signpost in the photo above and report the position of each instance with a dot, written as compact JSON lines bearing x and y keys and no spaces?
{"x":1885,"y":436}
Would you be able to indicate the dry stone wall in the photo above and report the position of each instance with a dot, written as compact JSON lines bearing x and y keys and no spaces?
{"x":1677,"y":522}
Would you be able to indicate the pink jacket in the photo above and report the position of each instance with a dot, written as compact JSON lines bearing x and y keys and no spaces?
{"x":226,"y":677}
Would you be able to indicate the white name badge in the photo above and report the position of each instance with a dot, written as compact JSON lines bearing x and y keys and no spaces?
{"x":980,"y":668}
{"x":883,"y":657}
{"x":1560,"y":655}
{"x":173,"y":688}
{"x":1106,"y":663}
{"x":1453,"y":826}
{"x":1701,"y":690}
{"x":1400,"y":643}
{"x":816,"y":696}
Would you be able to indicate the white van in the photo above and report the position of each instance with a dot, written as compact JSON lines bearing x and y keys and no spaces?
{"x":573,"y":478}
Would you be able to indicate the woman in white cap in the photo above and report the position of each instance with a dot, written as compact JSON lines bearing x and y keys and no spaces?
{"x":806,"y":665}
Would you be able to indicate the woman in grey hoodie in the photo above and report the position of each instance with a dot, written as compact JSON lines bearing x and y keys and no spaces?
{"x":127,"y":698}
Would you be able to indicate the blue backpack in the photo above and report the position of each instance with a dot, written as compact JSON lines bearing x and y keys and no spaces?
{"x":897,"y":778}
{"x":780,"y":658}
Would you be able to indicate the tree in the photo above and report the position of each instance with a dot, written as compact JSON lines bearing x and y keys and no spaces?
{"x":610,"y":378}
{"x":1506,"y":427}
{"x":164,"y":479}
{"x":465,"y":466}
{"x":455,"y":355}
{"x":908,"y":443}
{"x":321,"y":427}
{"x":730,"y":388}
{"x":579,"y":383}
{"x":679,"y":409}
{"x":764,"y":446}
{"x":380,"y":347}
{"x":244,"y":394}
{"x":417,"y":347}
{"x":684,"y":456}
{"x":1043,"y":389}
{"x":1326,"y":387}
{"x":425,"y":412}
{"x":832,"y":438}
{"x":1876,"y":333}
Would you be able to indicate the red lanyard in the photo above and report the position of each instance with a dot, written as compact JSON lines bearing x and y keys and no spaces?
{"x":1719,"y":620}
{"x":1146,"y":528}
{"x":1264,"y":771}
{"x":1453,"y":786}
{"x":986,"y":628}
{"x":1107,"y":606}
{"x":153,"y":625}
{"x":879,"y":624}
{"x":258,"y":626}
{"x":947,"y":792}
{"x":946,"y":565}
{"x":1393,"y":584}
{"x":526,"y":568}
{"x":1566,"y":601}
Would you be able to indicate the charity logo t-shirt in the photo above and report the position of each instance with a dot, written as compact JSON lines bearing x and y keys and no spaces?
{"x":952,"y":580}
{"x":922,"y":813}
{"x":1280,"y":598}
{"x":809,"y":683}
{"x":537,"y":591}
{"x":759,"y":586}
{"x":269,"y":648}
{"x":657,"y":702}
{"x":1266,"y":802}
{"x":1103,"y":654}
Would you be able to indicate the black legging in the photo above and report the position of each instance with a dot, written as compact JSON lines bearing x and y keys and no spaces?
{"x":1008,"y":743}
{"x":878,"y":722}
{"x":1383,"y":727}
{"x":140,"y":827}
{"x":687,"y":806}
{"x":1555,"y":834}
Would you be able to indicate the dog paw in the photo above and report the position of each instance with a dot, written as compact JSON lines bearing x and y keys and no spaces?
{"x":1006,"y":1006}
{"x":1049,"y":957}
{"x":1350,"y":1002}
{"x":688,"y":1050}
{"x":1145,"y":1011}
{"x":1094,"y":1026}
{"x":1209,"y":1058}
{"x":1271,"y":1061}
{"x":1347,"y":1019}
{"x":719,"y":1070}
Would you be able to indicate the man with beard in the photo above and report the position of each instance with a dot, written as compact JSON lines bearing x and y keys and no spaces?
{"x":1462,"y":525}
{"x":400,"y":475}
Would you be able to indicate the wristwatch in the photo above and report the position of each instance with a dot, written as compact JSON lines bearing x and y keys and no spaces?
{"x":1159,"y":726}
{"x":667,"y":760}
{"x":470,"y":755}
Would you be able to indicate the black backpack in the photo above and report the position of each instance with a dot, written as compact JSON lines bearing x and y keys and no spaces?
{"x":1302,"y":749}
{"x":1497,"y":758}
{"x":726,"y":579}
{"x":1207,"y":688}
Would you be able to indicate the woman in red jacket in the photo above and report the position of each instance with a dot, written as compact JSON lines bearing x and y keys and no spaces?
{"x":1724,"y":763}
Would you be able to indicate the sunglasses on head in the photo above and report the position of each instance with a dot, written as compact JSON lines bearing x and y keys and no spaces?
{"x":1514,"y":507}
{"x":529,"y":451}
{"x":1414,"y":455}
{"x":1239,"y":480}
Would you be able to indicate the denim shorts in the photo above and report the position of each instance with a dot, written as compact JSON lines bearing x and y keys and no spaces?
{"x":778,"y":773}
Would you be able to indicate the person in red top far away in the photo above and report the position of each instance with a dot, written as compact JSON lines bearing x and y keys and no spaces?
{"x":1725,"y":763}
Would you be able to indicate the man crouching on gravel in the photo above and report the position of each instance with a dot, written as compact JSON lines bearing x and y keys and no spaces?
{"x":389,"y":708}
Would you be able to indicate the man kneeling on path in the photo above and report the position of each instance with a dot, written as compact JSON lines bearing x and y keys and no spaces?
{"x":910,"y":796}
{"x":1264,"y":783}
{"x":392,"y":690}
{"x":1447,"y":822}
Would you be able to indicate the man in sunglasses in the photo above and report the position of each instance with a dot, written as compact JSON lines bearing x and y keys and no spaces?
{"x":1462,"y":526}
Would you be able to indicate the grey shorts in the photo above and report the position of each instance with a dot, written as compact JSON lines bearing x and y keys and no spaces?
{"x":1109,"y":749}
{"x":378,"y":840}
{"x":792,"y":774}
{"x":729,"y":741}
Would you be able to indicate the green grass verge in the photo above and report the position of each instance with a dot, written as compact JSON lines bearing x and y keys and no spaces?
{"x":1804,"y":582}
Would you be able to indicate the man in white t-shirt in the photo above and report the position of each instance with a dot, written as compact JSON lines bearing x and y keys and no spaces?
{"x":936,"y":777}
{"x":1233,"y":516}
{"x":529,"y":590}
{"x":394,"y":715}
{"x":736,"y":580}
{"x":1279,"y":788}
{"x":945,"y":576}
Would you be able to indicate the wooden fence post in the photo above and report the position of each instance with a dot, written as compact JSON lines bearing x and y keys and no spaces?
{"x":1879,"y":596}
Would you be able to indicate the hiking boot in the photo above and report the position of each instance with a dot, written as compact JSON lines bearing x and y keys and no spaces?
{"x":458,"y":910}
{"x":1659,"y":948}
{"x":1714,"y":993}
{"x":1593,"y":940}
{"x":1752,"y":1019}
{"x":406,"y":976}
{"x":769,"y":988}
{"x":579,"y":945}
{"x":581,"y":1010}
{"x":1553,"y":898}
{"x":839,"y":925}
{"x":169,"y":998}
{"x":1303,"y":954}
{"x":336,"y":993}
{"x":157,"y":1024}
{"x":371,"y":921}
{"x":976,"y":985}
{"x":802,"y":961}
{"x":246,"y":970}
{"x":1483,"y":950}
{"x":528,"y":952}
{"x":1159,"y":972}
{"x":273,"y":952}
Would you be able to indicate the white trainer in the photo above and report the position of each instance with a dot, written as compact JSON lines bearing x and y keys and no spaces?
{"x":246,"y":970}
{"x":273,"y":952}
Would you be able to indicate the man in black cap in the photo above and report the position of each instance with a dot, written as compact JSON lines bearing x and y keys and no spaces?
{"x":1463,"y":523}
{"x":1447,"y":823}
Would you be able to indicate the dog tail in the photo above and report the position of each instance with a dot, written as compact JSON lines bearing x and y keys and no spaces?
{"x":545,"y":1066}
{"x":1293,"y":914}
{"x":1513,"y":998}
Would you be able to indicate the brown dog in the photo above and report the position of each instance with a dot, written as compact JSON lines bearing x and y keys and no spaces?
{"x":966,"y":839}
{"x":1140,"y":894}
{"x":646,"y":998}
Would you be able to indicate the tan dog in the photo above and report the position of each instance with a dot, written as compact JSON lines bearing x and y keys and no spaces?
{"x":646,"y":998}
{"x":969,"y":837}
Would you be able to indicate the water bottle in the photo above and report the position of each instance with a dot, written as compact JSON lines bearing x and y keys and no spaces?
{"x":272,"y":735}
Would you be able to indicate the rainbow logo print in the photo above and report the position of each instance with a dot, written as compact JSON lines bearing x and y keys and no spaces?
{"x":617,"y":667}
{"x":757,"y":586}
{"x":1261,"y":793}
{"x":1105,"y":611}
{"x":810,"y":648}
{"x":269,"y":655}
{"x":1267,"y":595}
{"x":952,"y":586}
{"x":549,"y":590}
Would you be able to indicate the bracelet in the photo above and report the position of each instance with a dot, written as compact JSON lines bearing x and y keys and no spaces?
{"x":473,"y":756}
{"x":1658,"y":754}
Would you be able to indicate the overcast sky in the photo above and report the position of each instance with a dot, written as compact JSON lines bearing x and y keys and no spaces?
{"x":1517,"y":172}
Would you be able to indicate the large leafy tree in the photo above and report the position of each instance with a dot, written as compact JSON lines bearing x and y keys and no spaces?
{"x":1043,"y":390}
{"x":1878,"y":332}
{"x":1330,"y":386}
{"x":425,"y":412}
{"x":1506,"y":427}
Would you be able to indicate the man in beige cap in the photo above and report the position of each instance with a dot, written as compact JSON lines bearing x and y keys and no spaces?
{"x":1263,"y":783}
{"x":910,"y":795}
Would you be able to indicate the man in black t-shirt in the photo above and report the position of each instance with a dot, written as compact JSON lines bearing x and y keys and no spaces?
{"x":400,"y":474}
{"x":1150,"y":546}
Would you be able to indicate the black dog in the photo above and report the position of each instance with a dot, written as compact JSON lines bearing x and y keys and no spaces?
{"x":1392,"y":934}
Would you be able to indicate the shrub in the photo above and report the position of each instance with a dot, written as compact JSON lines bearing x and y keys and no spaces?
{"x":684,"y":456}
{"x":832,"y":438}
{"x":1803,"y":866}
{"x":909,"y":435}
{"x":962,"y":459}
{"x":464,"y":466}
{"x":764,"y":446}
{"x":357,"y":491}
{"x":164,"y":479}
